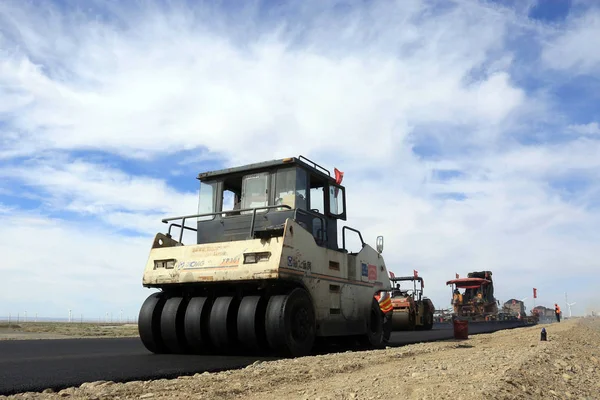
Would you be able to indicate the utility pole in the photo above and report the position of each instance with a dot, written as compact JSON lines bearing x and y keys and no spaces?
{"x":69,"y":315}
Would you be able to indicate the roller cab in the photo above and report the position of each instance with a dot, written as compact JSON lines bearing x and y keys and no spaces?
{"x":262,"y":268}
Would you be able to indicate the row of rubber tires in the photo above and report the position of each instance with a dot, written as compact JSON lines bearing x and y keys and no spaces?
{"x":282,"y":325}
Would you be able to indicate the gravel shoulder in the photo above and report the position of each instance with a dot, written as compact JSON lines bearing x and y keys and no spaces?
{"x":63,"y":330}
{"x":510,"y":364}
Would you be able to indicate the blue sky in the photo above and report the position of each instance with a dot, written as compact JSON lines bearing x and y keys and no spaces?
{"x":468,"y":132}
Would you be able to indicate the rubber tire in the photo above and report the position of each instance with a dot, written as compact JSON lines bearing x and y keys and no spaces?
{"x":149,"y":323}
{"x":222,"y":325}
{"x":387,"y":327}
{"x":281,"y":320}
{"x":197,"y":316}
{"x":172,"y":327}
{"x":374,"y":336}
{"x":251,"y":324}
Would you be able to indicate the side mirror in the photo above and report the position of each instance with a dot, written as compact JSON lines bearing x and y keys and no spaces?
{"x":379,"y":244}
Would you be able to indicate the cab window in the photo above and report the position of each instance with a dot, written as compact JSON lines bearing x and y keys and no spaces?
{"x":285,"y":187}
{"x":336,"y":200}
{"x":255,"y":191}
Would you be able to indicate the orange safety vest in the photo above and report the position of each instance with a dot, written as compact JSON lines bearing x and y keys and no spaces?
{"x":386,"y":305}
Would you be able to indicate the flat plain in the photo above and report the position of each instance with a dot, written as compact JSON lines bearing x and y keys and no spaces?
{"x":64,"y":330}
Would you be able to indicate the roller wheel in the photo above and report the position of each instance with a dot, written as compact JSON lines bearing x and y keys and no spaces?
{"x":403,"y":321}
{"x":149,"y":323}
{"x":291,"y":324}
{"x":197,"y":316}
{"x":172,"y":325}
{"x":374,"y":336}
{"x":428,"y":321}
{"x":222,"y":326}
{"x":251,"y":324}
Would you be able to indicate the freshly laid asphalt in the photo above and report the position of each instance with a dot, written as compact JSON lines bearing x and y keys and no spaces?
{"x":34,"y":365}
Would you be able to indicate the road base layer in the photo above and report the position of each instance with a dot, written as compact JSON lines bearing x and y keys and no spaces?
{"x":507,"y":364}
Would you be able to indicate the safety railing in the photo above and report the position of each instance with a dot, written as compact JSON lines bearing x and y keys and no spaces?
{"x":353,"y":230}
{"x":180,"y":226}
{"x":314,"y":164}
{"x":185,"y":217}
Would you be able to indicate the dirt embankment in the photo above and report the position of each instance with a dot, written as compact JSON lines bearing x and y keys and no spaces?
{"x":64,"y":330}
{"x":511,"y":364}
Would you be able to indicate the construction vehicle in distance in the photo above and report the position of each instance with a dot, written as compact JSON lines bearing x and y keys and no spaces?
{"x":477,"y":302}
{"x":514,"y":307}
{"x":544,"y":314}
{"x":412,"y":310}
{"x":268,"y":275}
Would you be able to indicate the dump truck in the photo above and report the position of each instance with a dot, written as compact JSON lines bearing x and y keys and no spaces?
{"x":478,"y":301}
{"x":412,"y":310}
{"x":263,"y":271}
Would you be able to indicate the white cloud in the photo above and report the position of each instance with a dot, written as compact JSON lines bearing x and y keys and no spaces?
{"x":585,"y":129}
{"x":50,"y":266}
{"x":141,"y":93}
{"x":512,"y":223}
{"x":576,"y":48}
{"x":87,"y":188}
{"x":353,"y":92}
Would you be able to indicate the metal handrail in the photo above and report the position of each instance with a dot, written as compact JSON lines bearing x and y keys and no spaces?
{"x":314,"y":164}
{"x":353,"y":230}
{"x":180,"y":226}
{"x":184,"y":217}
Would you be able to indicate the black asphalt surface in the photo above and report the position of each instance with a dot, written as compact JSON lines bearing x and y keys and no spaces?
{"x":34,"y":365}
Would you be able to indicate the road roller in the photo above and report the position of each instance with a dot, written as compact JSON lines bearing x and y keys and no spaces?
{"x":263,"y":269}
{"x":412,"y":310}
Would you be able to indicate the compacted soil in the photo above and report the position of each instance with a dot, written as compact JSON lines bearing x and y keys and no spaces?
{"x":510,"y":364}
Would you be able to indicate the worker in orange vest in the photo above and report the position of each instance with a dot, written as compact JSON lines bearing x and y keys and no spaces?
{"x":385,"y":305}
{"x":557,"y":312}
{"x":457,"y":300}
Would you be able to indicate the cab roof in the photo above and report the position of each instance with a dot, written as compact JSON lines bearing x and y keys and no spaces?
{"x":407,"y":278}
{"x":269,"y":165}
{"x":469,"y":283}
